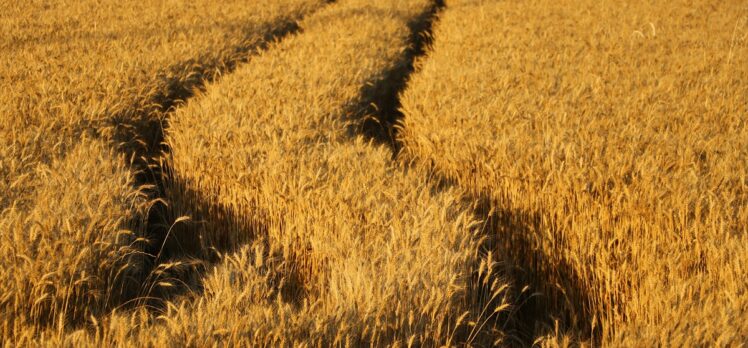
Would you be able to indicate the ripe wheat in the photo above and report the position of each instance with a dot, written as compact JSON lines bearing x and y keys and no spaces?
{"x":79,"y":79}
{"x":613,"y":143}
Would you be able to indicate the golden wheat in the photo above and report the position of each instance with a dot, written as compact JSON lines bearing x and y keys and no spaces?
{"x":323,"y":239}
{"x":612,"y":141}
{"x":594,"y":151}
{"x":79,"y":78}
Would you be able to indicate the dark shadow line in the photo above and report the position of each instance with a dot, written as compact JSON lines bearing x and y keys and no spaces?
{"x":382,"y":103}
{"x":139,"y":134}
{"x":555,"y":293}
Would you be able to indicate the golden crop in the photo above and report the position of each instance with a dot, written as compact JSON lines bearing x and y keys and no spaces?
{"x":612,"y":142}
{"x":77,"y":78}
{"x":282,"y":173}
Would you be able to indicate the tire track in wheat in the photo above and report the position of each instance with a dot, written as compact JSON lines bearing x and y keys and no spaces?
{"x":81,"y":129}
{"x":141,"y":138}
{"x":533,"y":312}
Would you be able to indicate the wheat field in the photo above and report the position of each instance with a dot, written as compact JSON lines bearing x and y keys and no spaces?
{"x":417,"y":173}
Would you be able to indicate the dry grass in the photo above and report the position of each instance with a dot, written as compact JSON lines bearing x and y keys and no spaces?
{"x":612,"y":141}
{"x":83,"y":77}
